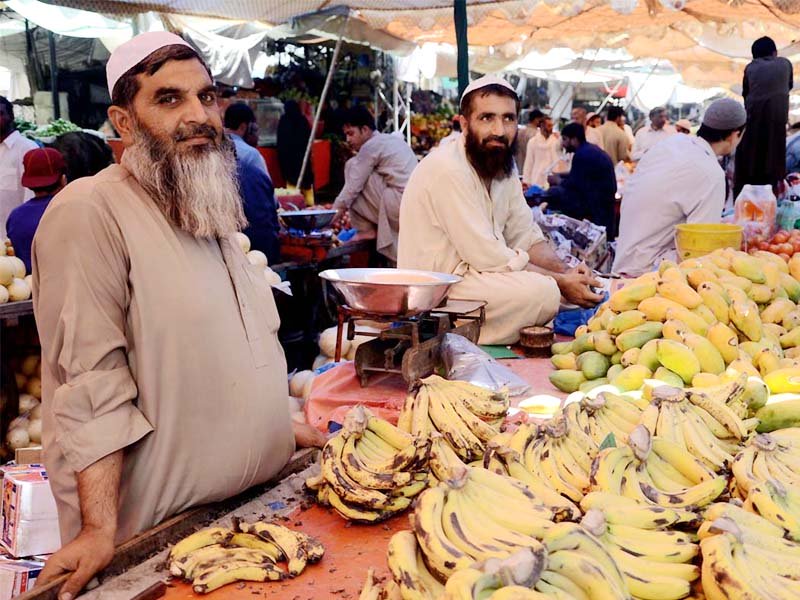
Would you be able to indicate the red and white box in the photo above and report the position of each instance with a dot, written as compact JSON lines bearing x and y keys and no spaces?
{"x":18,"y":576}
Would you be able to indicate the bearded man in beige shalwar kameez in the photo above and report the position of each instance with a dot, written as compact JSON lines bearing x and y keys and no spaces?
{"x":463,"y":212}
{"x":164,"y":383}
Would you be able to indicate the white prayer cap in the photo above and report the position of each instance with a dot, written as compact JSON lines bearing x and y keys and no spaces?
{"x":134,"y":51}
{"x":485,"y":81}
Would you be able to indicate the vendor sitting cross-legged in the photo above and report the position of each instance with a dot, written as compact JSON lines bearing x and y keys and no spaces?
{"x":463,"y":212}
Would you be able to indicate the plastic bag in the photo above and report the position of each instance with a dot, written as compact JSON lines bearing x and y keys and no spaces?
{"x":465,"y":361}
{"x":755,"y":210}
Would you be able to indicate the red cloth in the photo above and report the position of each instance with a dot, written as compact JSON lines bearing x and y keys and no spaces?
{"x":338,"y":389}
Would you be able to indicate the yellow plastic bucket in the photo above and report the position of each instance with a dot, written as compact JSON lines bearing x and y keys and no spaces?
{"x":698,"y":239}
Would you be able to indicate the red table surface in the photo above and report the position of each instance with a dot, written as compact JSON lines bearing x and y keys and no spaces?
{"x":350,"y":551}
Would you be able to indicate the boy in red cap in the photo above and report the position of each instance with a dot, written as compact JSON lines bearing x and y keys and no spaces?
{"x":44,"y":174}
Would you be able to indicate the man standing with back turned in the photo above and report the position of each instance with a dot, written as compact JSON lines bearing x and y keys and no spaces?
{"x":463,"y":213}
{"x":164,"y":385}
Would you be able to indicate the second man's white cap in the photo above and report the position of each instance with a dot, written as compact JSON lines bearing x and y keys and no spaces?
{"x":485,"y":81}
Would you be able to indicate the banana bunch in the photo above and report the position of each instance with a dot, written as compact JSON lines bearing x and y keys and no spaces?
{"x":569,"y":563}
{"x":767,"y":457}
{"x":467,"y":416}
{"x":458,"y":522}
{"x":603,"y":414}
{"x":654,"y":470}
{"x":409,"y":570}
{"x":745,"y":557}
{"x":507,"y":461}
{"x":686,"y":323}
{"x":700,"y":421}
{"x":778,"y":503}
{"x":371,"y":470}
{"x":655,"y":561}
{"x":217,"y":556}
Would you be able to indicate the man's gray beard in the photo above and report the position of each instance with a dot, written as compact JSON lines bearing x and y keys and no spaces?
{"x":196,"y":190}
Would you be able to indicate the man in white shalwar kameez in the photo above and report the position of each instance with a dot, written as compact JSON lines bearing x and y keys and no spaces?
{"x":544,"y":150}
{"x":463,"y":212}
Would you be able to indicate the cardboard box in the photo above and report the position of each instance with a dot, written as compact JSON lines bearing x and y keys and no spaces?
{"x":18,"y":576}
{"x":30,"y":519}
{"x":28,"y":456}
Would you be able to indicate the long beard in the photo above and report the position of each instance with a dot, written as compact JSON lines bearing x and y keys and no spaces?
{"x":196,"y":189}
{"x":490,"y":163}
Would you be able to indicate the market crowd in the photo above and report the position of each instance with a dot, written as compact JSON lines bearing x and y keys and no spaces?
{"x":164,"y":384}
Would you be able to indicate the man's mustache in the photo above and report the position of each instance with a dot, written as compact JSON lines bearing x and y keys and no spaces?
{"x":193,"y":131}
{"x":496,"y":138}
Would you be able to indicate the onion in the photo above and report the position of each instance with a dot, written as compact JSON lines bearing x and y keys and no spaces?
{"x":18,"y":266}
{"x":30,"y":365}
{"x":295,"y":405}
{"x":3,"y":295}
{"x":36,"y":412}
{"x":29,"y":281}
{"x":243,"y":241}
{"x":258,"y":258}
{"x":298,"y":383}
{"x":321,"y":361}
{"x":7,"y":270}
{"x":35,"y":430}
{"x":34,"y":387}
{"x":18,"y":290}
{"x":21,"y":380}
{"x":271,"y":276}
{"x":18,"y":438}
{"x":327,"y":343}
{"x":27,"y":402}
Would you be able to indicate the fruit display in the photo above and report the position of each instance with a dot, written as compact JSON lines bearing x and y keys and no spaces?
{"x":15,"y":284}
{"x":371,"y":470}
{"x":466,"y":415}
{"x":618,"y":495}
{"x":692,"y":324}
{"x":217,"y":556}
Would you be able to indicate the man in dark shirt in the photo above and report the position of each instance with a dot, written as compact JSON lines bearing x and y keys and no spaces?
{"x":255,"y":184}
{"x":589,"y":190}
{"x":44,"y":173}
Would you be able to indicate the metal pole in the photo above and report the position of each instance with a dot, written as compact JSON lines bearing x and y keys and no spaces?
{"x":322,"y":98}
{"x":408,"y":113}
{"x":462,"y":44}
{"x":54,"y":75}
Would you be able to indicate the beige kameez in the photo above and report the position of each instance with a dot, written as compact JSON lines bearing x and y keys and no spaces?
{"x":450,"y":223}
{"x":155,"y":343}
{"x":374,"y":180}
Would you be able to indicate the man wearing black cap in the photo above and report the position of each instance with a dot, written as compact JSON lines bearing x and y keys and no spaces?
{"x":44,"y":174}
{"x":677,"y":181}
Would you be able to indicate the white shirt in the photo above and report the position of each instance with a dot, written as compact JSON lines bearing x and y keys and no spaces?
{"x":12,"y":194}
{"x":541,"y":154}
{"x":450,"y":222}
{"x":593,"y":136}
{"x":677,"y":181}
{"x":647,"y":137}
{"x":451,"y":137}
